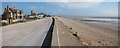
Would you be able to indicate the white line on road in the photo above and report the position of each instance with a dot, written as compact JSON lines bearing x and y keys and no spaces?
{"x":58,"y":37}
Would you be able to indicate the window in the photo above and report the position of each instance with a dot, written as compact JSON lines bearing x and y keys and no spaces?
{"x":9,"y":12}
{"x":20,"y":13}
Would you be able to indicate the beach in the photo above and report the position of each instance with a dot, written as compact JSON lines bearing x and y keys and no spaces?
{"x":89,"y":34}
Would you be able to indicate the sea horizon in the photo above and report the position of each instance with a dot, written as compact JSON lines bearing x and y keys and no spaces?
{"x":83,"y":16}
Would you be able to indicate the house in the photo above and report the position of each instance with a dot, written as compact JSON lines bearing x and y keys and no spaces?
{"x":0,"y":17}
{"x":12,"y":13}
{"x":33,"y":15}
{"x":40,"y":15}
{"x":26,"y":16}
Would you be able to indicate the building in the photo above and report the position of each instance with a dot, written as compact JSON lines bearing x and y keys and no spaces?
{"x":0,"y":17}
{"x":12,"y":13}
{"x":33,"y":15}
{"x":26,"y":16}
{"x":40,"y":15}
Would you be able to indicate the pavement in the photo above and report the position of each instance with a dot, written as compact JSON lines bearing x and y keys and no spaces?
{"x":0,"y":37}
{"x":30,"y":33}
{"x":62,"y":36}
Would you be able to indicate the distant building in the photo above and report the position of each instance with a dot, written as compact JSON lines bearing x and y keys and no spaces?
{"x":0,"y":17}
{"x":12,"y":13}
{"x":33,"y":15}
{"x":26,"y":16}
{"x":40,"y":15}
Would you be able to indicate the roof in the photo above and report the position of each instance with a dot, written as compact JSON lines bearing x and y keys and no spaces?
{"x":25,"y":15}
{"x":33,"y":14}
{"x":13,"y":9}
{"x":40,"y":13}
{"x":21,"y":11}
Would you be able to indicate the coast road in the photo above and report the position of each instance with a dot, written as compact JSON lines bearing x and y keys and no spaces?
{"x":87,"y":34}
{"x":30,"y":33}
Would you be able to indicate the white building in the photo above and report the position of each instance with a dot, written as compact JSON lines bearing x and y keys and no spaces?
{"x":40,"y":15}
{"x":33,"y":15}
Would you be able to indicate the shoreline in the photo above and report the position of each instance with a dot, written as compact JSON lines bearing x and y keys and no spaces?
{"x":107,"y":24}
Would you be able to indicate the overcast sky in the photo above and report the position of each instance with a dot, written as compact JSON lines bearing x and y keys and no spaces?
{"x":68,"y":8}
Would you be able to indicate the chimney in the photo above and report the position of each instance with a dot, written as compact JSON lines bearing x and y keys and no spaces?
{"x":7,"y":7}
{"x":31,"y":12}
{"x":14,"y":7}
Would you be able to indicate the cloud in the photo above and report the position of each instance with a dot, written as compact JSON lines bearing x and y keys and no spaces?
{"x":41,"y":7}
{"x":80,"y":0}
{"x":36,"y":8}
{"x":59,"y":12}
{"x":0,"y":8}
{"x":60,"y":0}
{"x":33,"y":7}
{"x":111,"y":0}
{"x":74,"y":5}
{"x":109,"y":13}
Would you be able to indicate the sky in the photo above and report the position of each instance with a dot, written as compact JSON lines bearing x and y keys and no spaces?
{"x":60,"y":0}
{"x":98,"y":9}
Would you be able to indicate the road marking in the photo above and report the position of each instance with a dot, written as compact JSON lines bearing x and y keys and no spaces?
{"x":58,"y":37}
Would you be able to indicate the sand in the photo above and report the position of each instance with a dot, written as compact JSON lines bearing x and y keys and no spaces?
{"x":91,"y":34}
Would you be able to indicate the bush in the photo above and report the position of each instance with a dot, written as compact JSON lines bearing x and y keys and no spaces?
{"x":4,"y":24}
{"x":41,"y":18}
{"x":70,"y":28}
{"x":20,"y":21}
{"x":75,"y":34}
{"x":52,"y":26}
{"x":35,"y":17}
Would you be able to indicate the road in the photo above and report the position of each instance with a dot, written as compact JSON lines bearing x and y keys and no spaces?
{"x":26,"y":34}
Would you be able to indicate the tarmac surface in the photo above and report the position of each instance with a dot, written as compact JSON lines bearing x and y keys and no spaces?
{"x":26,"y":34}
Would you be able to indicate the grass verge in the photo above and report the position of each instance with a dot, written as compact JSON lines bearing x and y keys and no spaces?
{"x":20,"y":21}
